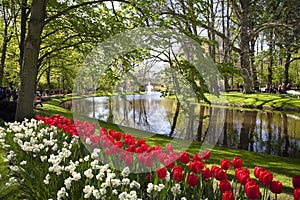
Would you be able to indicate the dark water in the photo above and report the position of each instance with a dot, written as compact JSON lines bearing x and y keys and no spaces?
{"x":270,"y":132}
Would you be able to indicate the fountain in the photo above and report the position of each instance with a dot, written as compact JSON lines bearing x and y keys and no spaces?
{"x":149,"y":88}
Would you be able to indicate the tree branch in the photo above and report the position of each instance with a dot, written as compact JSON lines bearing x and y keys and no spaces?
{"x":264,"y":26}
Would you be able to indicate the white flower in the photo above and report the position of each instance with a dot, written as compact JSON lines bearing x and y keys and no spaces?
{"x":95,"y":153}
{"x":94,"y":164}
{"x":133,"y":195}
{"x":123,"y":196}
{"x":89,"y":173}
{"x":176,"y":189}
{"x":125,"y":172}
{"x":115,"y":192}
{"x":96,"y":194}
{"x":62,"y":193}
{"x":88,"y":141}
{"x":11,"y":181}
{"x":11,"y":155}
{"x":183,"y":198}
{"x":68,"y":183}
{"x":125,"y":181}
{"x":102,"y":191}
{"x":88,"y":190}
{"x":135,"y":184}
{"x":66,"y":153}
{"x":72,"y":166}
{"x":76,"y":176}
{"x":24,"y":162}
{"x":86,"y":158}
{"x":47,"y":178}
{"x":100,"y":176}
{"x":159,"y":187}
{"x":105,"y":185}
{"x":57,"y":169}
{"x":43,"y":158}
{"x":46,"y":182}
{"x":149,"y":187}
{"x":14,"y":168}
{"x":115,"y":182}
{"x":55,"y":147}
{"x":167,"y":178}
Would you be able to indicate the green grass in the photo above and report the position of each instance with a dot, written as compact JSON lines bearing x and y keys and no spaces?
{"x":282,"y":168}
{"x":258,"y":100}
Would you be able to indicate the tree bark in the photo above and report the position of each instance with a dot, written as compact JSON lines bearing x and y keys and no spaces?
{"x":3,"y":53}
{"x":24,"y":18}
{"x":245,"y":48}
{"x":270,"y":66}
{"x":245,"y":60}
{"x":286,"y":67}
{"x":29,"y":65}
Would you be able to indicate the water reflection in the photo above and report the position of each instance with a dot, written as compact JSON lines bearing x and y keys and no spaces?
{"x":268,"y":132}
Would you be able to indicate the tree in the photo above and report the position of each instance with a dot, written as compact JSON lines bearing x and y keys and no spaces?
{"x":30,"y":62}
{"x":9,"y":11}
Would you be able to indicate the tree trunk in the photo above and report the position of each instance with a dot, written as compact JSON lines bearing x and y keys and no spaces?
{"x":211,"y":34}
{"x":252,"y":58}
{"x":3,"y":53}
{"x":175,"y":119}
{"x":245,"y":61}
{"x":245,"y":49}
{"x":270,"y":71}
{"x":30,"y":60}
{"x":286,"y":67}
{"x":48,"y":72}
{"x":24,"y":18}
{"x":200,"y":125}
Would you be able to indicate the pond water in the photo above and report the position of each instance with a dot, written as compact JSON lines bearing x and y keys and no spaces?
{"x":270,"y":132}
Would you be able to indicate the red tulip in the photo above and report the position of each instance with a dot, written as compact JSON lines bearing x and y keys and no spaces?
{"x":225,"y":164}
{"x":252,"y":190}
{"x":148,"y":161}
{"x":184,"y":157}
{"x":169,"y":148}
{"x":205,"y":155}
{"x":107,"y":151}
{"x":196,"y":166}
{"x":139,"y":142}
{"x":236,"y":162}
{"x":257,"y":171}
{"x":178,"y":176}
{"x":196,"y":157}
{"x":192,"y":180}
{"x":206,"y":173}
{"x":227,"y":195}
{"x":149,"y":176}
{"x":128,"y":160}
{"x":297,"y":194}
{"x":224,"y":185}
{"x":276,"y":187}
{"x":161,"y":172}
{"x":266,"y":177}
{"x":220,"y":174}
{"x":296,"y":182}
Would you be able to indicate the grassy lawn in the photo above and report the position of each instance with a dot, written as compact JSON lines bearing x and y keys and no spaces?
{"x":259,"y":100}
{"x":282,"y":168}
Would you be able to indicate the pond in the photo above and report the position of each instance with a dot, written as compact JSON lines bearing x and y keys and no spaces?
{"x":264,"y":131}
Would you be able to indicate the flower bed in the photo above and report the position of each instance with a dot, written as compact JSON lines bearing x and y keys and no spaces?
{"x":54,"y":158}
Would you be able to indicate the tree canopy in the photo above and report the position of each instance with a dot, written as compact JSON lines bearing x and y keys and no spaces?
{"x":44,"y":43}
